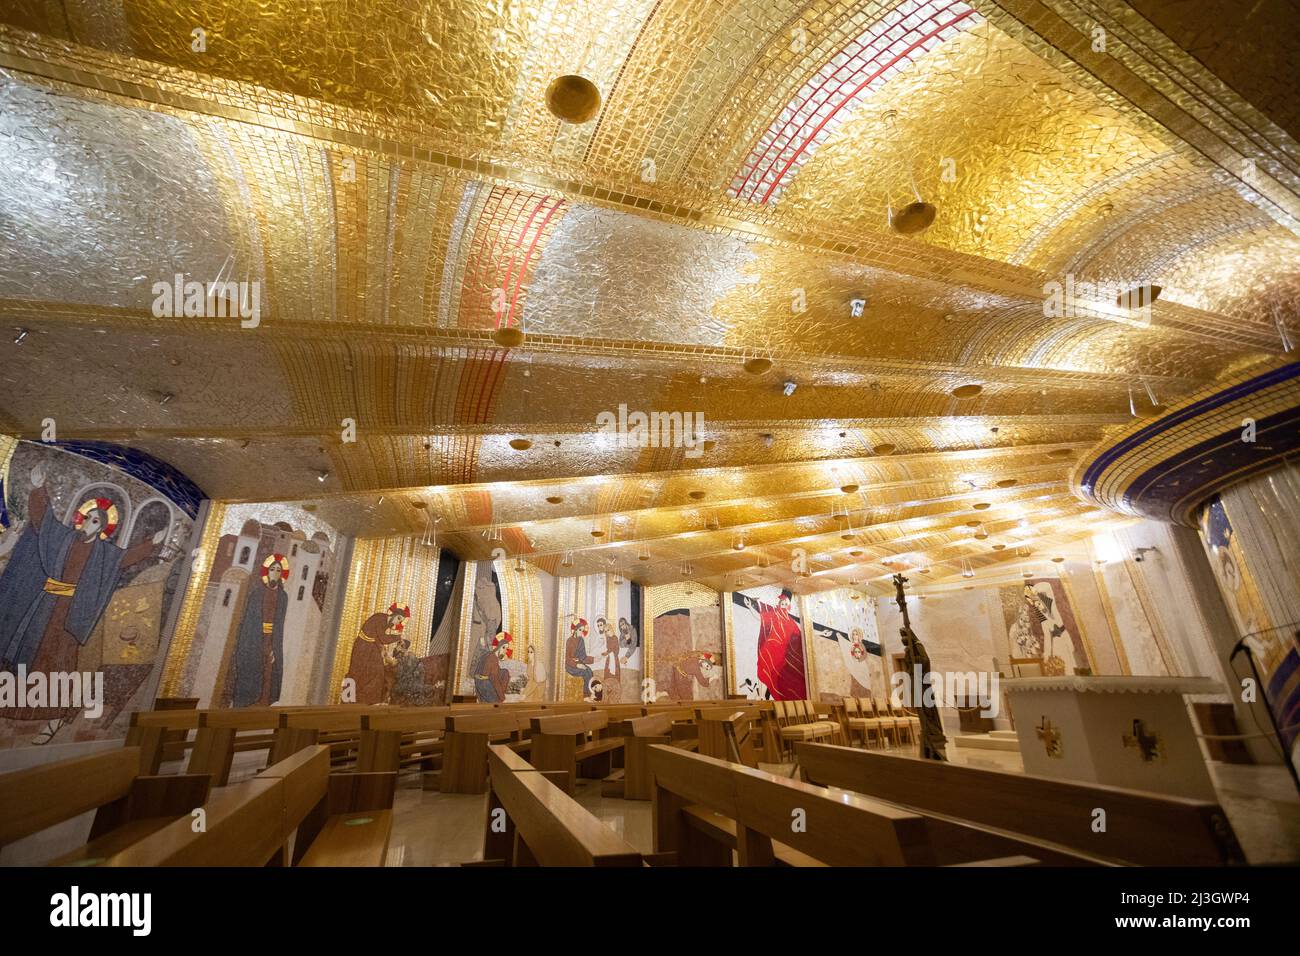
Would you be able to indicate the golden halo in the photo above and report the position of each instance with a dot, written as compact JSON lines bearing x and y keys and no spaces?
{"x":103,"y":504}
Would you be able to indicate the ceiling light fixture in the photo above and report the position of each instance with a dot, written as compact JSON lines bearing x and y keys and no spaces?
{"x":573,"y":99}
{"x":757,"y":366}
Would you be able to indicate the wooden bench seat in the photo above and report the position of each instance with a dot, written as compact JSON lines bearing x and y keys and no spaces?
{"x":1140,"y":828}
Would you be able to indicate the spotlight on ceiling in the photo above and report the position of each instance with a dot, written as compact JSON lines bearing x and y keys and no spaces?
{"x":913,"y":218}
{"x":1138,"y":297}
{"x":509,"y":337}
{"x":573,"y":99}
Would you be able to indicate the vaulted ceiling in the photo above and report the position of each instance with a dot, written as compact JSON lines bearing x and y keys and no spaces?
{"x":390,"y":174}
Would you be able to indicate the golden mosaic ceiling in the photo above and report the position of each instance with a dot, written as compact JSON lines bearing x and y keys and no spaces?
{"x":390,"y":176}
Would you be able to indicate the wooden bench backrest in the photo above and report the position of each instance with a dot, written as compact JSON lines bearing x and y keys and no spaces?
{"x":324,"y":722}
{"x":842,"y":829}
{"x":306,"y":780}
{"x":251,"y":719}
{"x":1143,"y":828}
{"x":41,"y":796}
{"x":570,"y":723}
{"x":407,"y":720}
{"x":654,"y":725}
{"x":556,"y":828}
{"x":169,"y":719}
{"x":245,"y":824}
{"x":490,"y":722}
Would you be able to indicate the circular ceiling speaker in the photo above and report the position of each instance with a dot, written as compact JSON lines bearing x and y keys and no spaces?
{"x":848,"y":489}
{"x":520,"y":444}
{"x":967,"y":391}
{"x":554,"y":500}
{"x":573,"y":98}
{"x":757,"y":366}
{"x":508,"y":337}
{"x":695,"y":495}
{"x":885,"y":449}
{"x":1007,"y":483}
{"x":913,"y":218}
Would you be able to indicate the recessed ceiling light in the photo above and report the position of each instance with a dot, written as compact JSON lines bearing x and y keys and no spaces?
{"x":848,"y":489}
{"x":973,"y":524}
{"x":757,"y":366}
{"x":884,"y":448}
{"x":520,"y":444}
{"x":967,"y":391}
{"x":1007,"y":483}
{"x":913,"y":218}
{"x":573,"y":99}
{"x":597,"y":533}
{"x":695,"y":495}
{"x":999,"y":547}
{"x":1057,"y":560}
{"x":554,"y":500}
{"x":1061,"y":453}
{"x":508,"y":337}
{"x":981,"y":506}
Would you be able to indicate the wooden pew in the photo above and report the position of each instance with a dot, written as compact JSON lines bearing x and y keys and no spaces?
{"x":708,"y":807}
{"x":549,"y":827}
{"x":730,"y":734}
{"x":251,"y":823}
{"x":639,"y":734}
{"x":174,"y":740}
{"x":421,"y":730}
{"x":1141,"y":828}
{"x":562,"y":743}
{"x":703,"y":808}
{"x":128,"y":806}
{"x":465,"y":747}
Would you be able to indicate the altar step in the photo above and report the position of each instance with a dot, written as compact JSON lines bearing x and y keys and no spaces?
{"x":997,"y":740}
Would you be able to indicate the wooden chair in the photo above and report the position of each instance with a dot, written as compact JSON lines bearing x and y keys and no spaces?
{"x":867,"y":727}
{"x":889,"y":723}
